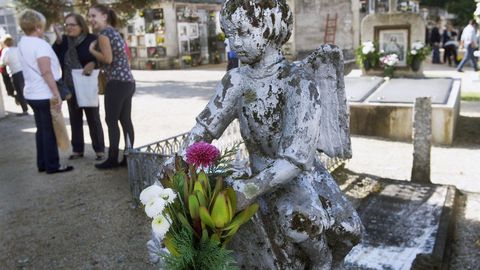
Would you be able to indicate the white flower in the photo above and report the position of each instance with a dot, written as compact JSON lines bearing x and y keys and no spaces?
{"x":155,"y":207}
{"x":149,"y":193}
{"x":168,"y":195}
{"x":413,"y":52}
{"x":368,"y":47}
{"x":417,"y":45}
{"x":160,"y":226}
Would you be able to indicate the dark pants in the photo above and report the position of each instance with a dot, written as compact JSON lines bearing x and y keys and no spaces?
{"x":436,"y":54}
{"x":450,"y":51}
{"x":468,"y":56}
{"x":18,"y":83}
{"x":94,"y":126}
{"x":8,"y":84}
{"x":118,"y":107}
{"x":47,"y":151}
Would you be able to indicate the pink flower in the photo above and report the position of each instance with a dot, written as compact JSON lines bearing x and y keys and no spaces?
{"x":202,"y":154}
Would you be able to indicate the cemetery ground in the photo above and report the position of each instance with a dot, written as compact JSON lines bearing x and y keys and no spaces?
{"x":84,"y":219}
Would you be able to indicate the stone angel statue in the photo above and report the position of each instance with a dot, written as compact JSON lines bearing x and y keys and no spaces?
{"x":287,"y":113}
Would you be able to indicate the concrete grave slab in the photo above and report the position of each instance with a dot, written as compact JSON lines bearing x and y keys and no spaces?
{"x":394,"y":120}
{"x":359,"y":88}
{"x":407,"y":227}
{"x":406,"y":90}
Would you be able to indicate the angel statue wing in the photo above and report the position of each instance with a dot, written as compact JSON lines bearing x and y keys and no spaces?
{"x":326,"y":66}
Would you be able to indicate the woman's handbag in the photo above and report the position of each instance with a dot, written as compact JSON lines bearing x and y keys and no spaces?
{"x":102,"y":82}
{"x":65,"y":93}
{"x":86,"y":88}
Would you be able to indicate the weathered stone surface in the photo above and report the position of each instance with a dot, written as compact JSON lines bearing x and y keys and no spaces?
{"x":287,"y":112}
{"x":359,"y":88}
{"x":422,"y":139}
{"x":407,"y":227}
{"x":401,"y":91}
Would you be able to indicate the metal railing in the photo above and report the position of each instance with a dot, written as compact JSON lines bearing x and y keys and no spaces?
{"x":145,"y":163}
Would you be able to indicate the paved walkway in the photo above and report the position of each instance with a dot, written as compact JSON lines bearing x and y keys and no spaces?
{"x":82,"y":220}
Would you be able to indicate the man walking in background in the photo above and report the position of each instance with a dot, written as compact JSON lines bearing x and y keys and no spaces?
{"x":469,"y":41}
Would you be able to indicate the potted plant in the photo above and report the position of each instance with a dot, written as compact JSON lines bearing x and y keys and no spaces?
{"x":389,"y":62}
{"x":367,"y":55}
{"x":417,"y":54}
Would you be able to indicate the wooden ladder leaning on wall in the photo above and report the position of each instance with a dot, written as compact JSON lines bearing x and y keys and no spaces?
{"x":330,"y":29}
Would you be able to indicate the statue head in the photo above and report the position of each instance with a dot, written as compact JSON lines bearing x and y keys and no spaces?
{"x":252,"y":25}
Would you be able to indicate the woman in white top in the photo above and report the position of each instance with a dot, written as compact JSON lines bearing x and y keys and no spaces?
{"x":10,"y":59}
{"x":41,"y":69}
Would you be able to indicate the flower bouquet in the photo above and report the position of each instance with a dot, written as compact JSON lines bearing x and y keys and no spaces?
{"x":417,"y":54}
{"x":367,"y":55}
{"x":389,"y":62}
{"x":194,"y":215}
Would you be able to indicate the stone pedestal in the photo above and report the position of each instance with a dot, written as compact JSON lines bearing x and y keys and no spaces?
{"x":422,"y":140}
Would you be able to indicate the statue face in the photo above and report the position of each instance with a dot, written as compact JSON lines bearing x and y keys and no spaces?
{"x":245,"y":39}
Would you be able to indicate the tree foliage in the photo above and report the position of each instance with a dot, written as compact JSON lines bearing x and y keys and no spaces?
{"x":463,"y":9}
{"x":54,"y":10}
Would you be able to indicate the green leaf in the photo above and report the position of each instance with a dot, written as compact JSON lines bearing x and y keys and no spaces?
{"x":168,"y":242}
{"x":198,"y":187}
{"x":205,"y":217}
{"x":243,"y":216}
{"x":203,"y":179}
{"x":215,"y":238}
{"x":201,"y":198}
{"x":232,"y":197}
{"x":216,"y":190}
{"x":184,"y":221}
{"x":193,"y":206}
{"x":221,"y":211}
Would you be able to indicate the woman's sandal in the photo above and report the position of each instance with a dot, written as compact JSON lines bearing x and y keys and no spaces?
{"x":75,"y":156}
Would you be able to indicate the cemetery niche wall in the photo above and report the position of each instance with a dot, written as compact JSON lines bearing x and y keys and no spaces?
{"x":394,"y":31}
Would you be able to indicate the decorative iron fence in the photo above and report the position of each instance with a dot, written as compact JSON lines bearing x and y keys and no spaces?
{"x":145,"y":163}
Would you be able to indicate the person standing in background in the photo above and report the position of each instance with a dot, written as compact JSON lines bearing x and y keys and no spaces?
{"x":41,"y":70}
{"x":5,"y":78}
{"x":450,"y":45}
{"x":10,"y":59}
{"x":468,"y":40}
{"x":73,"y":51}
{"x":435,"y":41}
{"x":109,"y":50}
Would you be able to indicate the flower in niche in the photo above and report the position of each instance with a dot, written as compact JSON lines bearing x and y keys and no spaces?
{"x":202,"y":154}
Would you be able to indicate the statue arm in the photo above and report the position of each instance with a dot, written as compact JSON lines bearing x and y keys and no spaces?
{"x":279,"y":173}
